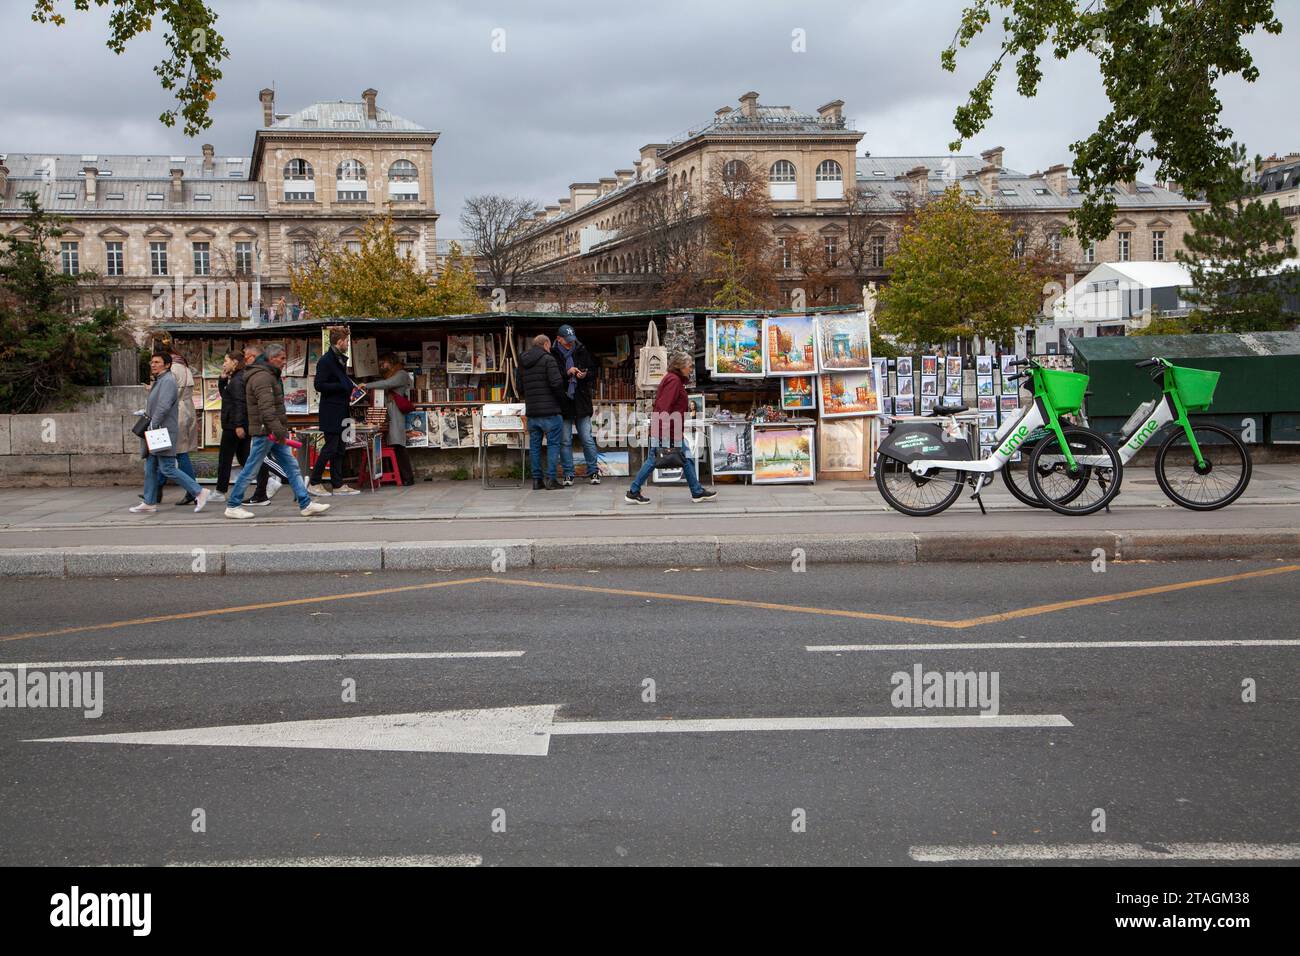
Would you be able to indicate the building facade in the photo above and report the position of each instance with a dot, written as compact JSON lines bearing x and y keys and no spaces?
{"x":1278,"y":179}
{"x":212,"y":237}
{"x":849,"y":209}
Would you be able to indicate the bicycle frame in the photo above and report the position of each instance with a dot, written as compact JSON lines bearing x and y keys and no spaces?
{"x":1038,"y":414}
{"x":1169,"y":409}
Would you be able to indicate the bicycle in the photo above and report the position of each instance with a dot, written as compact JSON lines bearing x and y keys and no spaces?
{"x":1201,"y":474}
{"x":1074,"y":458}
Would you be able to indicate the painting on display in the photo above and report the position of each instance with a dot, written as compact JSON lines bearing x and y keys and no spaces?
{"x":212,"y":394}
{"x":460,"y":355}
{"x":731,"y":451}
{"x":313,"y":396}
{"x":296,"y":366}
{"x":708,"y":343}
{"x":849,"y":393}
{"x":610,"y":463}
{"x":783,"y":455}
{"x":952,"y":366}
{"x":799,"y":393}
{"x":790,"y":345}
{"x":904,"y":405}
{"x":841,"y":444}
{"x":365,"y":358}
{"x":984,"y":365}
{"x":431,"y":354}
{"x":904,"y":366}
{"x":929,"y":365}
{"x":313,"y":356}
{"x":212,"y":428}
{"x":417,"y":430}
{"x":1009,"y":403}
{"x":214,"y":356}
{"x":697,"y":406}
{"x":295,"y":396}
{"x":880,"y":368}
{"x":480,"y":354}
{"x":844,"y":343}
{"x":737,"y":347}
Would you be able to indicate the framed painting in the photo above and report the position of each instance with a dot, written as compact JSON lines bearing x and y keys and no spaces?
{"x":784,"y":455}
{"x":417,"y":430}
{"x":790,"y":345}
{"x":841,"y":444}
{"x":731,"y":449}
{"x":844,"y":343}
{"x":849,"y":393}
{"x":737,"y":347}
{"x":799,"y":393}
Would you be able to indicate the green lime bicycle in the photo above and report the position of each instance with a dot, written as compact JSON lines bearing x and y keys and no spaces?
{"x":1199,"y":466}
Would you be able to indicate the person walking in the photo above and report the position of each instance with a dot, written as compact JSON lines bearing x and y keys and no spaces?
{"x":268,"y":424}
{"x":668,"y":430}
{"x":543,"y":389}
{"x":234,"y":421}
{"x":576,"y":407}
{"x":269,"y":477}
{"x":163,"y":411}
{"x":335,"y":388}
{"x":187,"y":436}
{"x":397,"y":382}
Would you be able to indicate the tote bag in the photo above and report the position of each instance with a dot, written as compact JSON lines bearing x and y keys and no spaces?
{"x":652,"y":362}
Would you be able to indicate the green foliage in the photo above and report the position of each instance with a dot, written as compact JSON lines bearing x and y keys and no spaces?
{"x":460,"y":474}
{"x":377,"y":281}
{"x":1235,"y":254}
{"x":1159,"y":62}
{"x":46,"y":352}
{"x":195,"y":50}
{"x":954,"y":275}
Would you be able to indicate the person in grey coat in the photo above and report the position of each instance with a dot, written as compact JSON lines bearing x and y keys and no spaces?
{"x":396,"y":380}
{"x":163,"y":411}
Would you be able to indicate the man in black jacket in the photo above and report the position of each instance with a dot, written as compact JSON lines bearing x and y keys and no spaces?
{"x":579,"y":374}
{"x":335,"y":388}
{"x":234,"y":421}
{"x":543,"y":388}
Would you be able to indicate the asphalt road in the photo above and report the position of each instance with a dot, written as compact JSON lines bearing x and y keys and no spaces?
{"x":1156,"y":736}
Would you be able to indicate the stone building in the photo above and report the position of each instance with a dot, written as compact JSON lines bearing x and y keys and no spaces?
{"x":1278,"y":179}
{"x":823,"y":195}
{"x":208,"y":236}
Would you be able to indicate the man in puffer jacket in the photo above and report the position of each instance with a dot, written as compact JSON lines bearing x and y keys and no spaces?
{"x":543,"y":388}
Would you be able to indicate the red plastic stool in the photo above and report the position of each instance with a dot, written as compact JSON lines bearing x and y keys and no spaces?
{"x":391,"y":475}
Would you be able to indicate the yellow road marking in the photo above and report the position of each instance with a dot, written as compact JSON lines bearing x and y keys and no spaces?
{"x":239,"y":609}
{"x":687,"y":598}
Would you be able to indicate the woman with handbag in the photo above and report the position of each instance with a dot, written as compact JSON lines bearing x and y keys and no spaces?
{"x":668,"y":433}
{"x":161,"y":437}
{"x":396,"y":384}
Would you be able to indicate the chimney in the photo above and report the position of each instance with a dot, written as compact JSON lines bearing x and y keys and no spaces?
{"x":1129,"y":186}
{"x":208,"y":164}
{"x":988,"y":179}
{"x":1269,"y":162}
{"x":267,"y":97}
{"x":625,"y":175}
{"x":607,"y":184}
{"x":582,"y":193}
{"x":918,"y":181}
{"x":650,"y":159}
{"x":992,"y":157}
{"x":722,"y":112}
{"x":749,"y":105}
{"x":566,"y":206}
{"x":1058,"y":179}
{"x":831,"y":112}
{"x":4,"y":179}
{"x":178,"y":191}
{"x":372,"y":111}
{"x":552,"y":212}
{"x":92,"y":180}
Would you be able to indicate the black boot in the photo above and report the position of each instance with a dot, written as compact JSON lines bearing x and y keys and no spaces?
{"x":552,"y":485}
{"x":538,"y":485}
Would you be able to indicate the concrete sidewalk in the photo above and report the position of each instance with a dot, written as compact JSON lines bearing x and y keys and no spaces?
{"x":459,"y":525}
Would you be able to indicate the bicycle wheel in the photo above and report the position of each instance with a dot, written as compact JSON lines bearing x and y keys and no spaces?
{"x":917,"y":495}
{"x":1087,"y":488}
{"x":1221,"y":482}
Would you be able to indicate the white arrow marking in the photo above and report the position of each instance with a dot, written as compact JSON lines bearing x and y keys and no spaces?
{"x":524,"y":731}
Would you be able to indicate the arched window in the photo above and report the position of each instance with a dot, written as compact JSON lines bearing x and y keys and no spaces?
{"x":735,"y":178}
{"x":782,"y":183}
{"x":403,"y":181}
{"x":830,"y":180}
{"x":734,"y":169}
{"x":299,"y":181}
{"x":351,"y":178}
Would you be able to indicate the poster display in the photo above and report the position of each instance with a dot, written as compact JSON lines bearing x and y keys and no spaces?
{"x":365,"y":358}
{"x":212,"y":394}
{"x":460,"y":355}
{"x":295,"y":396}
{"x":790,"y":345}
{"x":417,"y":430}
{"x":431,"y":354}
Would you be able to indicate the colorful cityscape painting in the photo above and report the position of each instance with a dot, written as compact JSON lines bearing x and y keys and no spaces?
{"x":843,"y":343}
{"x":849,"y":393}
{"x":790,"y":345}
{"x":737,"y":347}
{"x":783,"y":455}
{"x":798,"y":392}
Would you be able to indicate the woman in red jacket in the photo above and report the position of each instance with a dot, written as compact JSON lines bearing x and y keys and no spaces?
{"x":668,"y":430}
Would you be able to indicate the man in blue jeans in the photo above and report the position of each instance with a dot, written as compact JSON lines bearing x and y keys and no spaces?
{"x":268,"y":424}
{"x":543,"y":387}
{"x":579,"y":372}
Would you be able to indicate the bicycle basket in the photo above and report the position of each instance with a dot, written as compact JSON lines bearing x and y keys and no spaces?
{"x":1195,"y":386}
{"x":1064,"y":390}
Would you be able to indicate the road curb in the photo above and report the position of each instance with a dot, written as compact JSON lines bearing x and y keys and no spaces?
{"x":681,"y":551}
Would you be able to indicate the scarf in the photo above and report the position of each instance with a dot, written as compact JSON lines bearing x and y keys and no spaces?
{"x":568,"y":364}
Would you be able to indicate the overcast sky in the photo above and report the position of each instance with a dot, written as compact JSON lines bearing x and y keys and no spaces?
{"x":580,"y":86}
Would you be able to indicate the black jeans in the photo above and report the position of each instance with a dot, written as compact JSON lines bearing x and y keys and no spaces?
{"x":232,"y":447}
{"x":403,"y":464}
{"x":332,"y":454}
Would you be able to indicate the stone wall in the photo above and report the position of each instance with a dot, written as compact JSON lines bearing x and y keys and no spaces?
{"x":92,"y":445}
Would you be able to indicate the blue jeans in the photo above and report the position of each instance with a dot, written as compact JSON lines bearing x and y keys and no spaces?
{"x":279,"y":453}
{"x":184,"y":464}
{"x":160,"y":467}
{"x":692,"y":479}
{"x":552,"y":428}
{"x":588,"y":446}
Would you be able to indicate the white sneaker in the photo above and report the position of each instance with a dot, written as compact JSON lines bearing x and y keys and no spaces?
{"x":216,"y":496}
{"x":239,"y":513}
{"x":316,"y":491}
{"x":273,"y":484}
{"x":202,"y":500}
{"x":345,"y":490}
{"x":315,"y":508}
{"x":143,"y":509}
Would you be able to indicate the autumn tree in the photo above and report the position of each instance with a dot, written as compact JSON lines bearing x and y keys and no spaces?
{"x":738,"y":237}
{"x":955,"y":275}
{"x":195,"y":50}
{"x":1235,"y":254}
{"x":669,"y":226}
{"x":1160,"y":62}
{"x":377,"y":281}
